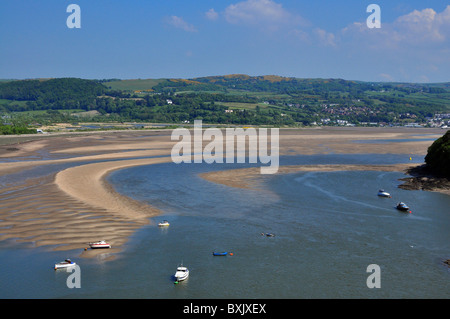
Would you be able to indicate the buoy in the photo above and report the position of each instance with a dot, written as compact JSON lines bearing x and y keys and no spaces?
{"x":410,"y":212}
{"x":410,"y":159}
{"x":231,"y":254}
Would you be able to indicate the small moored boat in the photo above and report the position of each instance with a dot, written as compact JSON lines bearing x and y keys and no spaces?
{"x":382,"y":193}
{"x":65,"y":264}
{"x":164,"y":223}
{"x":402,"y":206}
{"x":181,"y":274}
{"x":100,"y":244}
{"x":220,"y":253}
{"x":268,"y":234}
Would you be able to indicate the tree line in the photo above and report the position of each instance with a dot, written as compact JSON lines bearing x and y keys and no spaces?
{"x":278,"y":100}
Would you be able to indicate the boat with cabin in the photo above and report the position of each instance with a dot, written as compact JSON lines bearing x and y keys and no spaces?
{"x":100,"y":244}
{"x":181,"y":274}
{"x":64,"y":264}
{"x":402,"y":206}
{"x":164,"y":223}
{"x":382,"y":193}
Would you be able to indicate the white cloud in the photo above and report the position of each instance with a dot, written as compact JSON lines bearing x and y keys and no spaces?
{"x":413,"y":48}
{"x":211,"y":14}
{"x":325,"y":38}
{"x":179,"y":23}
{"x":423,"y":26}
{"x":417,"y":28}
{"x":262,"y":13}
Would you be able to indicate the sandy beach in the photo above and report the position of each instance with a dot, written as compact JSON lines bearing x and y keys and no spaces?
{"x":54,"y":194}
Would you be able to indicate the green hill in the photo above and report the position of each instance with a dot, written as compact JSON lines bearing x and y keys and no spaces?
{"x":226,"y":99}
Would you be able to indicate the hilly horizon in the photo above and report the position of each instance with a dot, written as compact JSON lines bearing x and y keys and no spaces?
{"x":225,"y":77}
{"x":228,"y":99}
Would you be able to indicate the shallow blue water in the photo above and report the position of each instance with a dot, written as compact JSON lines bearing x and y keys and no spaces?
{"x":329,"y":227}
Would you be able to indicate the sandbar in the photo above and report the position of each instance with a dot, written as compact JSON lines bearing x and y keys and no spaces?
{"x":72,"y":204}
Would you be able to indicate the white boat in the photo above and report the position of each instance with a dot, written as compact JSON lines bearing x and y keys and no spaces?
{"x":163,"y":223}
{"x":100,"y":244}
{"x":181,"y":274}
{"x":65,"y":264}
{"x":382,"y":193}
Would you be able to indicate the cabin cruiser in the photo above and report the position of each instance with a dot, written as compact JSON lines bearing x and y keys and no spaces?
{"x":64,"y":264}
{"x":100,"y":244}
{"x":163,"y":223}
{"x":181,"y":274}
{"x":382,"y":193}
{"x":402,"y":206}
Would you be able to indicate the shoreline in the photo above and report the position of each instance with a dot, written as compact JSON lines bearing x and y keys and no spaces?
{"x":420,"y":178}
{"x":66,"y":209}
{"x":249,"y":178}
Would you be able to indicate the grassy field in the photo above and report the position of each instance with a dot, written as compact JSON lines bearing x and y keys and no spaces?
{"x":242,"y":106}
{"x":442,"y":99}
{"x":6,"y":102}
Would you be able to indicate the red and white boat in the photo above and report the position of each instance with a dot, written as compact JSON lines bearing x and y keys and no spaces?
{"x":65,"y":264}
{"x":100,"y":244}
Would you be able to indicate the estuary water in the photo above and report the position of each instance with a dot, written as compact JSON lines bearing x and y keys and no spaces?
{"x":329,"y":227}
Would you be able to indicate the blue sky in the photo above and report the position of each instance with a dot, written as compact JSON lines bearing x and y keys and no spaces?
{"x":186,"y":39}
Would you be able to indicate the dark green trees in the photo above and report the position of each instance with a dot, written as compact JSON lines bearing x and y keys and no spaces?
{"x":438,"y":157}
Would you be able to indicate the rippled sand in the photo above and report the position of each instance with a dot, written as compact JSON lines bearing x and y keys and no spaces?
{"x":72,"y":206}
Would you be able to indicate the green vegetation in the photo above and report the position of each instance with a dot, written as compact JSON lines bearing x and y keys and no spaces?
{"x":132,"y":85}
{"x":64,"y":93}
{"x":438,"y":156}
{"x":14,"y":129}
{"x":230,"y":99}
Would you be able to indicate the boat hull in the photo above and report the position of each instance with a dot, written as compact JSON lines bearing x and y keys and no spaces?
{"x":384,"y":195}
{"x":220,"y":253}
{"x":100,"y":246}
{"x":268,"y":234}
{"x":182,"y":277}
{"x":402,"y":207}
{"x":64,"y":265}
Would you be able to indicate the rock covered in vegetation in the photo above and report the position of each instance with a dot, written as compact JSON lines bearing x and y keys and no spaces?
{"x":438,"y":156}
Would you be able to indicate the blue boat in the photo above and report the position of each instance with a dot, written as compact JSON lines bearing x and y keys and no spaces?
{"x":220,"y":253}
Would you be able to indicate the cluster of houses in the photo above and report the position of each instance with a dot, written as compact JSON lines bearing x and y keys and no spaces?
{"x":441,"y":120}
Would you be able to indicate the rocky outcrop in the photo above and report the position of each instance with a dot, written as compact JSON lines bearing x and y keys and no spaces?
{"x":422,"y":178}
